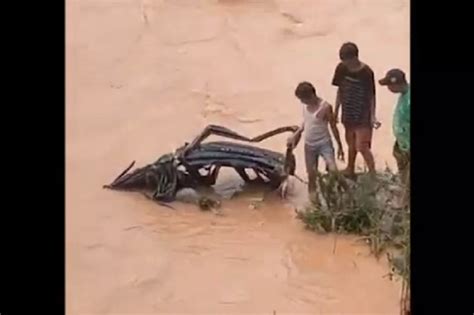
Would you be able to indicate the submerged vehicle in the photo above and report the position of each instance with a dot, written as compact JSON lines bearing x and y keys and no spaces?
{"x":198,"y":164}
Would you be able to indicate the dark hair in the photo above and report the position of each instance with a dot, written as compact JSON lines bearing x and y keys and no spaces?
{"x":348,"y":50}
{"x":305,"y":90}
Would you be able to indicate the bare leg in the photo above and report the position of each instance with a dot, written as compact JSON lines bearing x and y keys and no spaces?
{"x":331,"y":168}
{"x":369,"y":159}
{"x":327,"y":152}
{"x":351,"y":158}
{"x":312,"y":182}
{"x":311,"y":156}
{"x":352,"y":152}
{"x":363,"y":144}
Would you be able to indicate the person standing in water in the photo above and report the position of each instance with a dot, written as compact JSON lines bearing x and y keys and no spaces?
{"x":395,"y":80}
{"x":356,"y":95}
{"x":317,"y":115}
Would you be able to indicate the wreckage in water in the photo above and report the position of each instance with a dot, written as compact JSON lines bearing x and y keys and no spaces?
{"x":198,"y":164}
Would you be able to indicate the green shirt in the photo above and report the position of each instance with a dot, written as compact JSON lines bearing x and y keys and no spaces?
{"x":401,"y":121}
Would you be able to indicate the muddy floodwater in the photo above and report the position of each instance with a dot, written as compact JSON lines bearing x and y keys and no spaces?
{"x":145,"y":76}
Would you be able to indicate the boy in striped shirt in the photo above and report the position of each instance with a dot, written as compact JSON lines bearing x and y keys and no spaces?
{"x":356,"y":97}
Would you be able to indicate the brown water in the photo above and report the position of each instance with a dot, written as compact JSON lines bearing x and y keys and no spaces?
{"x":145,"y":76}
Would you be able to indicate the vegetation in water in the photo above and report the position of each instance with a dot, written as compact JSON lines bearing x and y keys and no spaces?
{"x":368,"y":208}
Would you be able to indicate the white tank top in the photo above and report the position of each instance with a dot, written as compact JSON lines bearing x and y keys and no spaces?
{"x":315,"y":128}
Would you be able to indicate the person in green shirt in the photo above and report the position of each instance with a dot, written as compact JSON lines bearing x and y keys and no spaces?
{"x":395,"y":80}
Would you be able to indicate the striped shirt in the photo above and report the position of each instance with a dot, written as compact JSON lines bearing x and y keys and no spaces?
{"x":356,"y":91}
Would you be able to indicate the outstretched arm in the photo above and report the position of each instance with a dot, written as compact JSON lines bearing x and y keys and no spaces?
{"x":294,"y":139}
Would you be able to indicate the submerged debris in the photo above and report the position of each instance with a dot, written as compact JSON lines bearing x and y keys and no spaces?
{"x":208,"y":204}
{"x":188,"y":195}
{"x":191,"y":196}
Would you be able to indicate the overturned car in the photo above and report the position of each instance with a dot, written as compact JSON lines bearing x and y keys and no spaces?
{"x":198,"y":164}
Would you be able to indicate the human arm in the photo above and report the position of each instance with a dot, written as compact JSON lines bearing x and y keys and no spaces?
{"x":294,"y":139}
{"x":374,"y":121}
{"x":336,"y":81}
{"x":335,"y":131}
{"x":371,"y":86}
